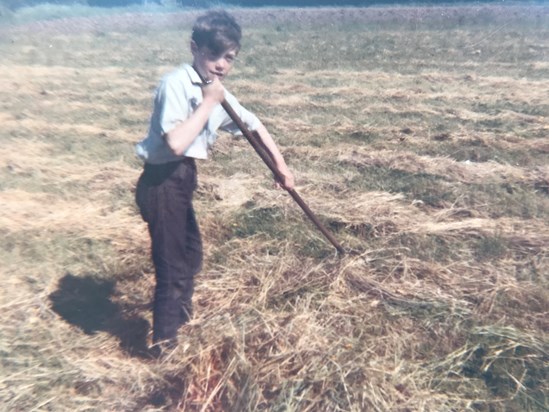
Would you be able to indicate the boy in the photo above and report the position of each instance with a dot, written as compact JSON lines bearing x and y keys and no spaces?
{"x":183,"y":125}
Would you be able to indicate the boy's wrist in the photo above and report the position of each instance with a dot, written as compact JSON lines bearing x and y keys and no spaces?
{"x":209,"y":102}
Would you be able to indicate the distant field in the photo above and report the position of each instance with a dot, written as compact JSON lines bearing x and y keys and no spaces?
{"x":419,"y":136}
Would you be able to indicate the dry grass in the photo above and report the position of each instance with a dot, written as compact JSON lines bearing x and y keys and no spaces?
{"x":421,"y":144}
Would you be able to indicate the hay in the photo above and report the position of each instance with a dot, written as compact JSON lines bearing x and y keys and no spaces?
{"x":443,"y":308}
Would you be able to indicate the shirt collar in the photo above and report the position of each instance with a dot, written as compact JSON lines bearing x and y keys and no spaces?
{"x":193,"y":75}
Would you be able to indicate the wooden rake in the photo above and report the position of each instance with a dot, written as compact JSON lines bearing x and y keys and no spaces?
{"x":255,"y":140}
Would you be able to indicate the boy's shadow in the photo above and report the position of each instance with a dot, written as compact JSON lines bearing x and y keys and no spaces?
{"x":86,"y":302}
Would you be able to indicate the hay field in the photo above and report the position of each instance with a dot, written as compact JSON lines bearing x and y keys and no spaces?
{"x":418,"y":136}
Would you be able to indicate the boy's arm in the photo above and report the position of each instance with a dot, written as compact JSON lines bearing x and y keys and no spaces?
{"x":272,"y":150}
{"x":183,"y":134}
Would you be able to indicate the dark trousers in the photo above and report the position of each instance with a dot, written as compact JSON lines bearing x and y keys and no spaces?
{"x":164,"y":196}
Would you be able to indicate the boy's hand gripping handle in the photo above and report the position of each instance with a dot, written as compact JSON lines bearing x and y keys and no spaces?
{"x":255,"y":140}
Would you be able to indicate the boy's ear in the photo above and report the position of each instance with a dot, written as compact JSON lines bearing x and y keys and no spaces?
{"x":194,"y":47}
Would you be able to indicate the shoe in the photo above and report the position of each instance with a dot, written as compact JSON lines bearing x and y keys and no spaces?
{"x":160,"y":350}
{"x":154,"y":352}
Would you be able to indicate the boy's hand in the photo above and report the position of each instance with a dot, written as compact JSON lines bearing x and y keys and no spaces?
{"x":213,"y":91}
{"x":289,"y":182}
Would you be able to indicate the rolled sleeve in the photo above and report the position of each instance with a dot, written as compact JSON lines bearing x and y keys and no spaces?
{"x":172,"y":104}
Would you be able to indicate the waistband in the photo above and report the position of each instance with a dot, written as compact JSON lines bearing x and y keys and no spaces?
{"x":157,"y":173}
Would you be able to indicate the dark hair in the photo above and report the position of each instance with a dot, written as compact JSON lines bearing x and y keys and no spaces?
{"x":218,"y":31}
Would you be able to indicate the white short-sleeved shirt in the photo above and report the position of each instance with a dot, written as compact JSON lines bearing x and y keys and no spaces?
{"x":177,"y":96}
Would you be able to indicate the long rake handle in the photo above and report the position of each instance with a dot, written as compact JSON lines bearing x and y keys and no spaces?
{"x":257,"y":144}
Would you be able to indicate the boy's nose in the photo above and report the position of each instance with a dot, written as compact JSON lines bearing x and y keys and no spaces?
{"x":220,"y":64}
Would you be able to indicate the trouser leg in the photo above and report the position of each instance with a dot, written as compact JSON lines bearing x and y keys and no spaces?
{"x":166,"y":204}
{"x":175,"y":270}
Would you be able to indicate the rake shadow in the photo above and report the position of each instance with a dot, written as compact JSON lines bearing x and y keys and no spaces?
{"x":86,"y":302}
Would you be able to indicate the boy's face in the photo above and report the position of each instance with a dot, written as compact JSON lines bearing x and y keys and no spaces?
{"x":210,"y":65}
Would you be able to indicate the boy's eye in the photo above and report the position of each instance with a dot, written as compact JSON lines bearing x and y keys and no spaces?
{"x":229,"y":58}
